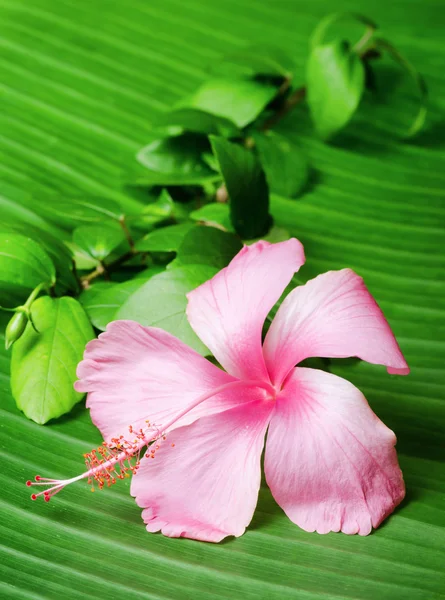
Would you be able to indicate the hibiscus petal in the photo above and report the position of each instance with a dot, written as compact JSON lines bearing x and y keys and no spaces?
{"x":330,"y":462}
{"x":134,"y":373}
{"x":333,"y":316}
{"x":228,"y":311}
{"x":206,"y":486}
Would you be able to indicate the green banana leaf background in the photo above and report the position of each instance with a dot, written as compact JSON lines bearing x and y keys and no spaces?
{"x":82,"y":83}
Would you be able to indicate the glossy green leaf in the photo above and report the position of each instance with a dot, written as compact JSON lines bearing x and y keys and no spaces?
{"x":99,"y":241}
{"x":102,"y":300}
{"x":247,"y":188}
{"x":43,"y":366}
{"x":174,"y":159}
{"x":161,"y":302}
{"x":284,"y":163}
{"x":164,"y":239}
{"x":82,"y":89}
{"x":239,"y":100}
{"x":335,"y":84}
{"x":24,"y":264}
{"x":197,"y":121}
{"x":260,"y":59}
{"x":207,"y":246}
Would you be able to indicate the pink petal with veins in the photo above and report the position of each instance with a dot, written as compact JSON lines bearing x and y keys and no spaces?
{"x":204,"y":480}
{"x":331,"y":316}
{"x":228,"y":311}
{"x":330,"y":462}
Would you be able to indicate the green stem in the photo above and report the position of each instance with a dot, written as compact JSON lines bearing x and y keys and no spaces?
{"x":102,"y":268}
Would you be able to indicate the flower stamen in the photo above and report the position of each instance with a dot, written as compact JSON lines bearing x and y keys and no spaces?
{"x":120,"y":457}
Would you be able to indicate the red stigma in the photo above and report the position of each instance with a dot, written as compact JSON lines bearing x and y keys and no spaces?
{"x":29,"y":483}
{"x":33,"y":497}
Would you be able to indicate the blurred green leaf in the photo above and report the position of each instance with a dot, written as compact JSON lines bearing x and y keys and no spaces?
{"x":24,"y":264}
{"x":262,"y":60}
{"x":207,"y":246}
{"x":161,"y":302}
{"x":99,"y":241}
{"x":102,"y":300}
{"x":318,"y":36}
{"x":239,"y":100}
{"x":43,"y":367}
{"x":419,"y":82}
{"x":274,"y":235}
{"x":174,"y":161}
{"x":72,"y":212}
{"x":155,"y":212}
{"x":216,"y":214}
{"x":247,"y":188}
{"x":335,"y":84}
{"x":283,"y":162}
{"x":164,"y":239}
{"x":196,"y":121}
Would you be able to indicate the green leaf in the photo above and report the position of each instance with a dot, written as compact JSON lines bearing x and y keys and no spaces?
{"x":99,"y":241}
{"x":239,"y":100}
{"x":155,"y":212}
{"x":335,"y":84}
{"x":71,"y":212}
{"x":102,"y":300}
{"x":197,"y":121}
{"x":283,"y":162}
{"x":247,"y":188}
{"x":24,"y":264}
{"x":207,"y":246}
{"x":43,"y":366}
{"x":262,"y":60}
{"x":215,"y":214}
{"x":56,"y":249}
{"x":161,"y":302}
{"x":164,"y":239}
{"x":174,"y":160}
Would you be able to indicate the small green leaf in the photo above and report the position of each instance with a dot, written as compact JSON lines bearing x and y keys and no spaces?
{"x":247,"y":188}
{"x":99,"y":241}
{"x":161,"y":302}
{"x":239,"y":100}
{"x":71,"y":212}
{"x":284,"y":163}
{"x":196,"y":121}
{"x":207,"y":246}
{"x":335,"y":84}
{"x":43,"y":367}
{"x":102,"y":300}
{"x":24,"y":264}
{"x":262,"y":60}
{"x":215,"y":214}
{"x":178,"y":157}
{"x":164,"y":239}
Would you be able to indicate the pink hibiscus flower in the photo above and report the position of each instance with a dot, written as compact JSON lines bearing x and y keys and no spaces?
{"x":329,"y":461}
